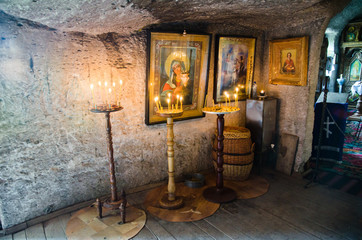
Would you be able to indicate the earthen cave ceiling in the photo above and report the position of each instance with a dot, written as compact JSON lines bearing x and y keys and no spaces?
{"x":127,"y":16}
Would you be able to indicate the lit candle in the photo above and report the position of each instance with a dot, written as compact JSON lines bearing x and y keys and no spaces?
{"x":226,"y":98}
{"x":236,"y":99}
{"x":156,"y":101}
{"x":237,"y":96}
{"x":169,"y":104}
{"x":99,"y":92}
{"x":105,"y":88}
{"x":178,"y":97}
{"x":115,"y":93}
{"x":91,"y":87}
{"x":109,"y":91}
{"x":262,"y":93}
{"x":120,"y":91}
{"x":181,"y":102}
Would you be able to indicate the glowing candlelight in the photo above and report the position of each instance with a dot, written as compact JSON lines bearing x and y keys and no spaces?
{"x":169,"y":104}
{"x":226,"y":98}
{"x":236,"y":99}
{"x":178,"y":97}
{"x":120,"y":91}
{"x":91,"y":87}
{"x":262,"y":92}
{"x":109,"y":96}
{"x":105,"y":88}
{"x":237,"y":96}
{"x":181,"y":102}
{"x":156,"y":101}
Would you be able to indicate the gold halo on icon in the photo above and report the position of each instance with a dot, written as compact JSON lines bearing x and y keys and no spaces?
{"x":177,"y":55}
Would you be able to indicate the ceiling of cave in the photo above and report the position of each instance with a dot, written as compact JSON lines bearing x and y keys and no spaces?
{"x":127,"y":16}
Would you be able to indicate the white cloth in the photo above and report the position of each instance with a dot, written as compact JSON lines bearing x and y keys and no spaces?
{"x":357,"y":87}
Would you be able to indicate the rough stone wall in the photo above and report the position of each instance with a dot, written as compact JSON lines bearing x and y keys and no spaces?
{"x":296,"y":112}
{"x":52,"y":149}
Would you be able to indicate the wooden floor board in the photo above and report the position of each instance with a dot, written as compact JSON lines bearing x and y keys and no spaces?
{"x":55,"y":228}
{"x":286,"y":211}
{"x":145,"y":233}
{"x":7,"y":237}
{"x":184,"y":230}
{"x":304,"y":211}
{"x":157,"y":229}
{"x":211,"y":230}
{"x":35,"y":232}
{"x":222,"y":221}
{"x":20,"y":235}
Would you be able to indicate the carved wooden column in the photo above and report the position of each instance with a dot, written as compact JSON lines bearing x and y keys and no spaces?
{"x":170,"y":200}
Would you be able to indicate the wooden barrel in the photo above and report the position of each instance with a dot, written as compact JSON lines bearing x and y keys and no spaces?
{"x":238,"y":153}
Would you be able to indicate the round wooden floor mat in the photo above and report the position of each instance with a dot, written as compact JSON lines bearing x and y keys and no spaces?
{"x":85,"y":224}
{"x":253,"y":187}
{"x":196,"y":207}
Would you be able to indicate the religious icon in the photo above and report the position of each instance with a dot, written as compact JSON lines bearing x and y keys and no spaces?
{"x":234,"y":69}
{"x":288,"y":65}
{"x":177,"y":70}
{"x":288,"y":61}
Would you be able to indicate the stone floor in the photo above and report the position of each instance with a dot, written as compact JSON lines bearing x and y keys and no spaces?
{"x":286,"y":211}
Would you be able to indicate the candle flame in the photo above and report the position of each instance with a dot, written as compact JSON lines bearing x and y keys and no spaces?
{"x":235,"y":96}
{"x":114,"y":84}
{"x":99,"y":83}
{"x":181,"y":98}
{"x":105,"y":84}
{"x":168,"y":100}
{"x":242,"y":86}
{"x":237,"y":89}
{"x":120,"y":82}
{"x":169,"y":95}
{"x":110,"y":90}
{"x":178,"y":96}
{"x":91,"y":86}
{"x":156,"y":99}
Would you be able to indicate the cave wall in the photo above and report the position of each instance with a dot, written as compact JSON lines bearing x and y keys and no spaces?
{"x":53,"y":149}
{"x":296,"y":103}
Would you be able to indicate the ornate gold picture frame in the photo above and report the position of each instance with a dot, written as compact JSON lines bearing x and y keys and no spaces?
{"x":177,"y":65}
{"x":234,"y":66}
{"x":288,"y":61}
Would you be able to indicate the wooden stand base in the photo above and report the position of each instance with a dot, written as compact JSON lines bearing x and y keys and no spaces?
{"x":253,"y":187}
{"x":195,"y":206}
{"x":112,"y":205}
{"x":85,"y":224}
{"x":175,"y":204}
{"x":213,"y":194}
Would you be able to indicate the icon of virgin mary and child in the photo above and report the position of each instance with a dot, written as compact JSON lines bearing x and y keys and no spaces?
{"x":177,"y":81}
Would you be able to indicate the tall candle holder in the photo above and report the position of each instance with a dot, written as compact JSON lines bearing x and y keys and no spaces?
{"x":114,"y":202}
{"x":170,"y":200}
{"x":219,"y":193}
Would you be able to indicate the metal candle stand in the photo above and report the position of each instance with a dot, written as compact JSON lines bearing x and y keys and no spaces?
{"x":114,"y":202}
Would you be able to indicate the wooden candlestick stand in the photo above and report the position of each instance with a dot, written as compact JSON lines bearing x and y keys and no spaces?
{"x":107,"y":220}
{"x":114,"y":202}
{"x":219,"y":193}
{"x":170,"y":200}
